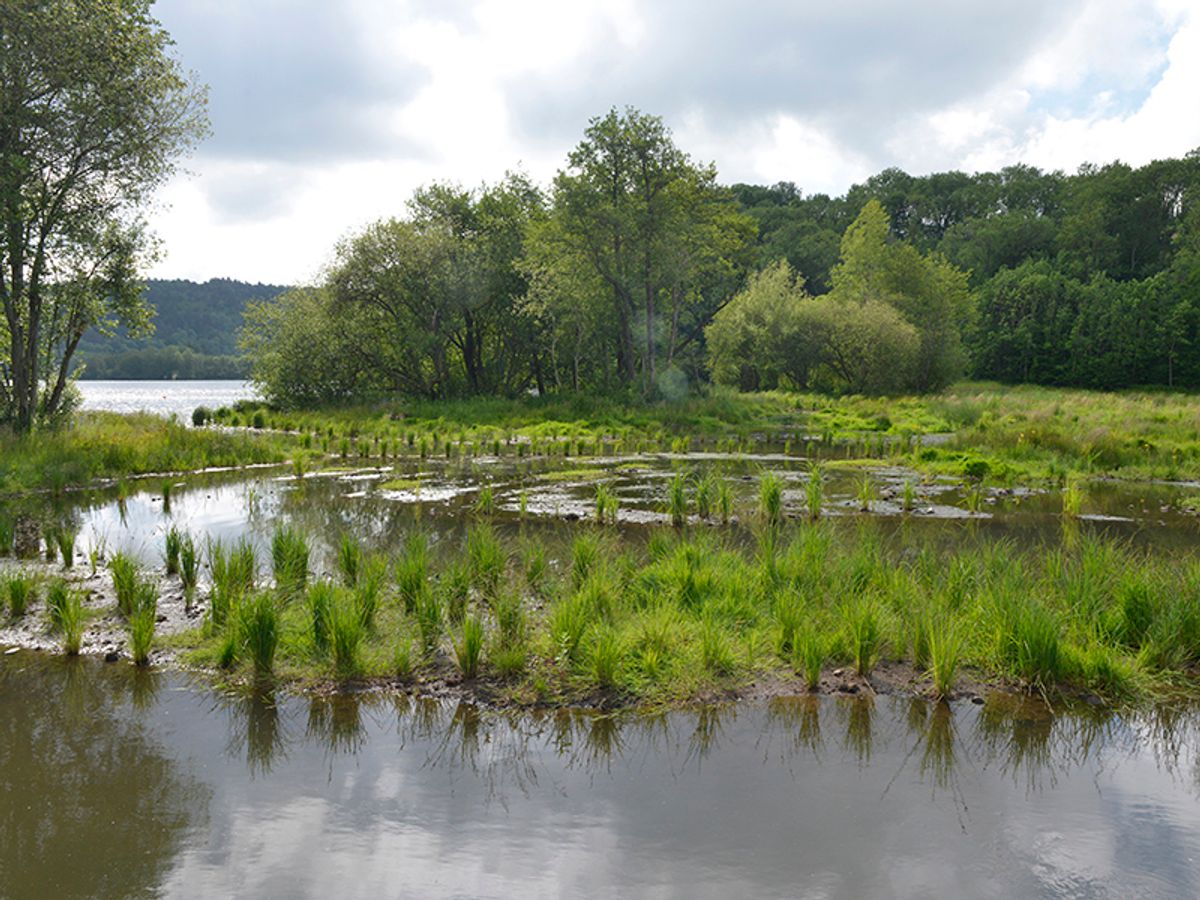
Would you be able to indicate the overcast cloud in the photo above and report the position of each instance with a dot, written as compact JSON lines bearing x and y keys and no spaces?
{"x":327,"y":115}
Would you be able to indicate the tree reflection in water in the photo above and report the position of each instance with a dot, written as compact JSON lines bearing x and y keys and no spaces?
{"x":83,"y":780}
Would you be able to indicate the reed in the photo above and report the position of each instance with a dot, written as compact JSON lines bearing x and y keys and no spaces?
{"x":585,"y":554}
{"x":369,"y":590}
{"x":65,"y":537}
{"x":945,"y":652}
{"x":865,"y":492}
{"x":607,"y":505}
{"x":485,"y":501}
{"x":770,"y":499}
{"x":71,"y":621}
{"x":487,"y":559}
{"x":346,"y":634}
{"x":125,"y":576}
{"x":20,"y":590}
{"x":349,"y":560}
{"x":173,"y":544}
{"x":56,"y":598}
{"x":143,"y":621}
{"x":430,"y":622}
{"x":189,"y":568}
{"x":814,"y":490}
{"x":258,"y":625}
{"x":289,"y":560}
{"x":319,"y":600}
{"x":716,"y":650}
{"x":607,"y":655}
{"x":864,"y":634}
{"x":706,"y":489}
{"x":412,"y":571}
{"x":468,"y":647}
{"x":808,"y":656}
{"x":723,"y":498}
{"x":677,"y":501}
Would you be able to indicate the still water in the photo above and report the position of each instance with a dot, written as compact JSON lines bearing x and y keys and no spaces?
{"x":124,"y":783}
{"x":162,"y":397}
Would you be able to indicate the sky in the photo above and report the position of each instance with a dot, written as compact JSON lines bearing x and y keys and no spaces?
{"x":326,"y":116}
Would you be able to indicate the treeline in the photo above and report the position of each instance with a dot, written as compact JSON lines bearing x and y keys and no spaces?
{"x":158,"y":363}
{"x":1090,"y":279}
{"x":194,"y":334}
{"x":636,"y":271}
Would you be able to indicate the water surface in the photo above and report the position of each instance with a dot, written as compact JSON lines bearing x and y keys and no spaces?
{"x":125,"y":783}
{"x":163,"y":398}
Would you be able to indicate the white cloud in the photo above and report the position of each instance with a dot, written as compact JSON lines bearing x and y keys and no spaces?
{"x":333,"y":125}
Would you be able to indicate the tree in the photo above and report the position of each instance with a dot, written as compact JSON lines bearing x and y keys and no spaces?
{"x":650,"y":224}
{"x":94,"y":112}
{"x":764,"y":335}
{"x":930,"y":293}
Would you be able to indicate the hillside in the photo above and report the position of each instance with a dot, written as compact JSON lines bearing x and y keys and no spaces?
{"x":195,"y":333}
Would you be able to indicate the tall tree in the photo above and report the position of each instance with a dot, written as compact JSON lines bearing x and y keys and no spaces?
{"x":94,"y":112}
{"x":649,"y":223}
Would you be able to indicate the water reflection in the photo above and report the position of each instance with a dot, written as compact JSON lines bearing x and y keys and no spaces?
{"x":93,"y":804}
{"x":866,"y":795}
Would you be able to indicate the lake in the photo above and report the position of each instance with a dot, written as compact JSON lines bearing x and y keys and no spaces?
{"x":163,"y":398}
{"x":119,"y":782}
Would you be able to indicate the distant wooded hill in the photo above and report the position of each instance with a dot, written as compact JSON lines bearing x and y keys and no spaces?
{"x":195,"y":333}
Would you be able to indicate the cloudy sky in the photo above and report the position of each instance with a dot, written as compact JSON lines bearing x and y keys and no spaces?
{"x":325,"y":115}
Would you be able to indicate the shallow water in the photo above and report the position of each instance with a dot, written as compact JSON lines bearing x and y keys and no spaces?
{"x":380,"y":505}
{"x":117,"y":782}
{"x":163,"y":398}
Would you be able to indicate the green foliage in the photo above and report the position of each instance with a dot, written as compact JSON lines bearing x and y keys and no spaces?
{"x":770,"y":499}
{"x":468,"y":647}
{"x":289,"y":560}
{"x":20,"y":590}
{"x":677,"y":499}
{"x":113,"y":111}
{"x":125,"y":577}
{"x":258,"y":628}
{"x":173,"y":544}
{"x":346,"y":635}
{"x":349,"y":560}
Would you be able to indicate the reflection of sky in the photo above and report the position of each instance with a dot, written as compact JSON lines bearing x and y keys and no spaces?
{"x":412,"y":815}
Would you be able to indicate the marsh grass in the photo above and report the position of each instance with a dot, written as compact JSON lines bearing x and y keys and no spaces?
{"x":814,"y":490}
{"x":677,"y":500}
{"x":485,"y":501}
{"x":319,"y":601}
{"x":808,"y":656}
{"x":412,"y":571}
{"x":349,"y":560}
{"x":723,"y":497}
{"x":143,"y":621}
{"x":607,"y":656}
{"x":487,"y":557}
{"x":189,"y":568}
{"x":865,"y":492}
{"x":71,"y":621}
{"x":468,"y":647}
{"x":172,"y":545}
{"x":65,"y":537}
{"x":770,"y":500}
{"x":20,"y":590}
{"x":125,"y":575}
{"x":607,"y":505}
{"x":431,"y":622}
{"x":346,"y":635}
{"x":864,"y":635}
{"x":945,"y":651}
{"x":258,"y":628}
{"x":289,"y":560}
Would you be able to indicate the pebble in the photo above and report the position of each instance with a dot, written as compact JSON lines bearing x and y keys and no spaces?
{"x":112,"y":656}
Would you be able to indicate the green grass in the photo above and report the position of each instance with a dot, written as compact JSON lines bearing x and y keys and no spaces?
{"x":143,"y":620}
{"x":468,"y":647}
{"x":108,"y":445}
{"x":677,"y":499}
{"x":20,"y":590}
{"x":770,"y":499}
{"x":172,"y":545}
{"x":258,"y":626}
{"x":125,"y":576}
{"x":289,"y":560}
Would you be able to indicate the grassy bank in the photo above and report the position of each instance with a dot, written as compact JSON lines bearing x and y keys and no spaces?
{"x":986,"y":432}
{"x":691,"y":615}
{"x":101,"y":445}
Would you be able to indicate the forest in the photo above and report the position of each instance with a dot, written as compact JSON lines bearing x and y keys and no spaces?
{"x":194,"y":333}
{"x":637,"y":271}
